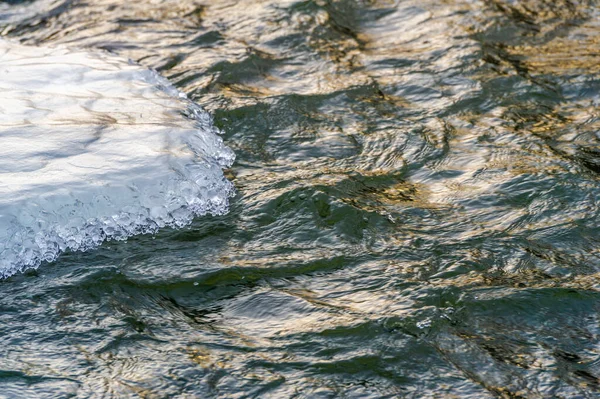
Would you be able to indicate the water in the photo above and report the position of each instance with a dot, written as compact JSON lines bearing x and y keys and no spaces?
{"x":415,"y":215}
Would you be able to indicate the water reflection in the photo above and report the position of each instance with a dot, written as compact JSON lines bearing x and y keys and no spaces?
{"x":416,"y":213}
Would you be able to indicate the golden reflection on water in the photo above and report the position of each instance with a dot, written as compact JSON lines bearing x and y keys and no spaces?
{"x":408,"y":172}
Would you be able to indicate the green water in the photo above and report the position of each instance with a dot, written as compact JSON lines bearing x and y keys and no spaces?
{"x":416,"y":212}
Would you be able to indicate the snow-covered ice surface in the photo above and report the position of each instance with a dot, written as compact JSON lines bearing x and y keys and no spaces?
{"x":95,"y":148}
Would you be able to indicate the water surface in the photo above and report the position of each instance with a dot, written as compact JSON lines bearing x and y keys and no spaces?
{"x":416,"y":211}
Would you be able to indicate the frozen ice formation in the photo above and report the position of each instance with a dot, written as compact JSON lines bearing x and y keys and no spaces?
{"x":93,"y":148}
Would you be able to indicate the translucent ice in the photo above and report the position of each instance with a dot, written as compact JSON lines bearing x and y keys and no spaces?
{"x":95,"y":148}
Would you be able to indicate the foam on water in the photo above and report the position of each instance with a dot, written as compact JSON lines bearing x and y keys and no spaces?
{"x":93,"y":148}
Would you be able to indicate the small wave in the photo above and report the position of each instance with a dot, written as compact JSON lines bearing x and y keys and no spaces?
{"x":95,"y":148}
{"x":18,"y":11}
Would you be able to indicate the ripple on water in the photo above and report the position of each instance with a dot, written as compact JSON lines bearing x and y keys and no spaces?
{"x":417,"y":211}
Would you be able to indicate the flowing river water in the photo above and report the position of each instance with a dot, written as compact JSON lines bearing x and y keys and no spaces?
{"x":416,"y":206}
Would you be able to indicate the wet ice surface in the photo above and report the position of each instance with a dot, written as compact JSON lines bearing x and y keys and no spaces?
{"x":95,"y":148}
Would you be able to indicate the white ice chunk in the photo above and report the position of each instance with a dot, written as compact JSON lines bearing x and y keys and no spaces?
{"x":95,"y":148}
